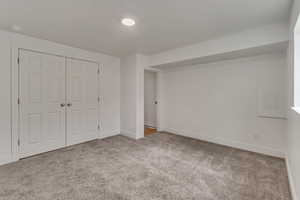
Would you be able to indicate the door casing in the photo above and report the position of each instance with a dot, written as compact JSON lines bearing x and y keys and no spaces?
{"x":97,"y":88}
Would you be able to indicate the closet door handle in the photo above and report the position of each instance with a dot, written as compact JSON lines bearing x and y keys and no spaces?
{"x":62,"y":105}
{"x":69,"y":104}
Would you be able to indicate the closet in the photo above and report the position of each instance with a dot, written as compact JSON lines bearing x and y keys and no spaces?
{"x":58,"y":102}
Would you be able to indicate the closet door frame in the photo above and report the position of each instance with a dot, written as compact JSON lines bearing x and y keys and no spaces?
{"x":47,"y":47}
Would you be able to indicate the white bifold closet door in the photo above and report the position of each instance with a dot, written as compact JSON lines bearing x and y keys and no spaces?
{"x":41,"y":91}
{"x":59,"y":102}
{"x":82,"y":101}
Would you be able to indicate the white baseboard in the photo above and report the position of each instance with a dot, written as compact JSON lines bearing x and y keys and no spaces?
{"x":4,"y":161}
{"x":106,"y":134}
{"x":234,"y":144}
{"x":10,"y":159}
{"x":150,"y":124}
{"x":291,"y":179}
{"x":129,"y":134}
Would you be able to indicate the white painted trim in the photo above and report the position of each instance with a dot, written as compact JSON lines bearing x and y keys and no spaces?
{"x":234,"y":144}
{"x":139,"y":137}
{"x":264,"y":35}
{"x":11,"y":159}
{"x":4,"y":161}
{"x":109,"y":134}
{"x":159,"y":99}
{"x":296,"y":109}
{"x":152,"y":69}
{"x":19,"y":41}
{"x":291,"y":180}
{"x":150,"y":124}
{"x":129,"y":134}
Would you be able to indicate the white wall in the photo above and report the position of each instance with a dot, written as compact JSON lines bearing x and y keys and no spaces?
{"x":247,"y":39}
{"x":132,"y":95}
{"x":129,"y":96}
{"x":109,"y":84}
{"x":150,"y":98}
{"x":219,"y":102}
{"x":110,"y":92}
{"x":5,"y":97}
{"x":293,"y":127}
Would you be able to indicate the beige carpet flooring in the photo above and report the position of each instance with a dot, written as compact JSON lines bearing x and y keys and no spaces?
{"x":160,"y":166}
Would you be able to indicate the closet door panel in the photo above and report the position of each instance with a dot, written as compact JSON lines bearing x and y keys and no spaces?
{"x":41,"y":91}
{"x":82,"y":101}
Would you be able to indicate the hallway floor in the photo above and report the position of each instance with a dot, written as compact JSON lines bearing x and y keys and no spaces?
{"x":149,"y":131}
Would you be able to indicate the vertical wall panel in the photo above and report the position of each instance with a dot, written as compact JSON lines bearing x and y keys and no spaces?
{"x":5,"y":105}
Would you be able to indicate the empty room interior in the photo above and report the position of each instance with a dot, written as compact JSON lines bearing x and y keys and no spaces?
{"x":150,"y":100}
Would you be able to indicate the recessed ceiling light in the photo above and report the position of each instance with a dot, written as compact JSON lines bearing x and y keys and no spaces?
{"x":128,"y":22}
{"x":16,"y":28}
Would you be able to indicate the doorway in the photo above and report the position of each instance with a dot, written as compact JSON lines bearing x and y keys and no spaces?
{"x":150,"y":103}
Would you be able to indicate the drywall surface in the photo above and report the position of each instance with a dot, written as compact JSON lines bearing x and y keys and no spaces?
{"x":129,"y":96}
{"x":261,"y":36}
{"x":293,"y":127}
{"x":110,"y":96}
{"x":132,"y":95}
{"x":5,"y":96}
{"x":293,"y":149}
{"x":150,"y":98}
{"x":221,"y":102}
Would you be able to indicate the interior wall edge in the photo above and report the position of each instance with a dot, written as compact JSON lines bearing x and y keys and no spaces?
{"x":234,"y":144}
{"x":149,"y":124}
{"x":10,"y":159}
{"x":270,"y":55}
{"x":291,"y":179}
{"x":107,"y":134}
{"x":129,"y":134}
{"x":265,"y":35}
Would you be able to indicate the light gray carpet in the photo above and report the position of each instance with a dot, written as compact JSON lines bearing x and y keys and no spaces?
{"x":160,"y":166}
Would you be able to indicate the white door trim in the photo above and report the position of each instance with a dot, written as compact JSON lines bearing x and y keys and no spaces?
{"x":47,"y":48}
{"x":18,"y":41}
{"x":151,"y":121}
{"x":159,"y":98}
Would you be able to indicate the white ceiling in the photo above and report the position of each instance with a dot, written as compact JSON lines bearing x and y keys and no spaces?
{"x":161,"y":24}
